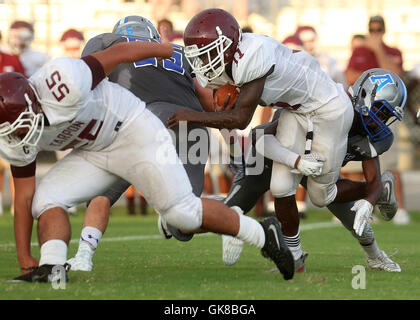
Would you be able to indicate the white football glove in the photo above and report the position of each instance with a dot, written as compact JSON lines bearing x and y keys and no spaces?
{"x":310,"y":165}
{"x":363,"y":209}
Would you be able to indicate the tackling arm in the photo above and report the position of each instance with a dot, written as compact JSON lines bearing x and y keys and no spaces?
{"x":111,"y":57}
{"x":372,"y":173}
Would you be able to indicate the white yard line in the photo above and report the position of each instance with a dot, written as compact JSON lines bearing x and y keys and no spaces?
{"x":303,"y":227}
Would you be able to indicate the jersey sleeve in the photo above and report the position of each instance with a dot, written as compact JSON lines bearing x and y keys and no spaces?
{"x":252,"y":64}
{"x":24,"y":172}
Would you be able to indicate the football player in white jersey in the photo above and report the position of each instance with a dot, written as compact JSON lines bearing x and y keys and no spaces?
{"x":68,"y":103}
{"x":317,"y":113}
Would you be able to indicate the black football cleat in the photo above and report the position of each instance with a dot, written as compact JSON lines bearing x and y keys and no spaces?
{"x":42,"y":273}
{"x":276,"y":249}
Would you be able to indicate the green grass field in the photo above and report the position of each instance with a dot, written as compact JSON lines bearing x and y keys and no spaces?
{"x":134,"y":262}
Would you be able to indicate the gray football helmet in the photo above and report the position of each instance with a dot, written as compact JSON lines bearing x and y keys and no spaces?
{"x":379,"y":96}
{"x":136,"y":26}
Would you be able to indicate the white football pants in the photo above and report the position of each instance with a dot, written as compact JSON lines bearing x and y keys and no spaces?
{"x":142,"y":154}
{"x":331,"y":124}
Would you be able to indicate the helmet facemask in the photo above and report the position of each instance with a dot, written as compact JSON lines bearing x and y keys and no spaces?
{"x":209,"y":61}
{"x":377,"y":119}
{"x":379,"y":100}
{"x":30,"y":120}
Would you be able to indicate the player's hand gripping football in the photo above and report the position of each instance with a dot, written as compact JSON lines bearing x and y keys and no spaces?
{"x":363,"y":209}
{"x":309,"y":165}
{"x":225,"y":97}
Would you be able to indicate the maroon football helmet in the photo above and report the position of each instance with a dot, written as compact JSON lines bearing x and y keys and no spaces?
{"x":211,"y":39}
{"x":19,"y":109}
{"x":21,"y":35}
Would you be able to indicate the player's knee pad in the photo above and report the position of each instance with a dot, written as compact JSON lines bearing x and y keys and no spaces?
{"x":186,"y":214}
{"x":283,"y":183}
{"x":321,"y":195}
{"x":42,"y":201}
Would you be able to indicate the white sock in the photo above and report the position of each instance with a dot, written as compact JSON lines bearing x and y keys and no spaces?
{"x":372,"y":250}
{"x":294,"y":245}
{"x":91,"y":235}
{"x":251,"y":231}
{"x":53,"y":252}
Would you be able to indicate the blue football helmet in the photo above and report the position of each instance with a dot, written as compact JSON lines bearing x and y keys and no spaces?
{"x":379,"y":96}
{"x":136,"y":26}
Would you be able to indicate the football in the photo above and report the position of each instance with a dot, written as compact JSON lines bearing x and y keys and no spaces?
{"x":222,"y":93}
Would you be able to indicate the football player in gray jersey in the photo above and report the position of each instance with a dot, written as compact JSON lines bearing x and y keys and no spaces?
{"x":369,"y":137}
{"x":165,"y":87}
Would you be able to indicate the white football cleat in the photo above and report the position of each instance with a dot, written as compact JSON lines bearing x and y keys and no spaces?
{"x":387,"y":202}
{"x":82,"y":261}
{"x":383,"y":262}
{"x":402,"y":217}
{"x":232,"y":249}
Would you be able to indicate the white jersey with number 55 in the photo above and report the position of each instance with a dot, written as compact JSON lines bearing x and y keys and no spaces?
{"x":79,"y":112}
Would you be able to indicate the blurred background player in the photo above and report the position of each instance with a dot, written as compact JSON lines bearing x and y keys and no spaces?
{"x":330,"y":65}
{"x":72,"y":42}
{"x":357,"y":40}
{"x":19,"y":41}
{"x":8,"y":63}
{"x":167,"y":32}
{"x":375,"y":53}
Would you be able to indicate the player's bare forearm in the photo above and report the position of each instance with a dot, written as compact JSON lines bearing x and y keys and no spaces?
{"x":220,"y":120}
{"x":372,"y":173}
{"x":236,"y":118}
{"x":131,"y":52}
{"x":204,"y":95}
{"x":23,"y":221}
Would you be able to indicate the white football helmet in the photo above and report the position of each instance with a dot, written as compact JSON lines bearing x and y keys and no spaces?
{"x":379,"y":96}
